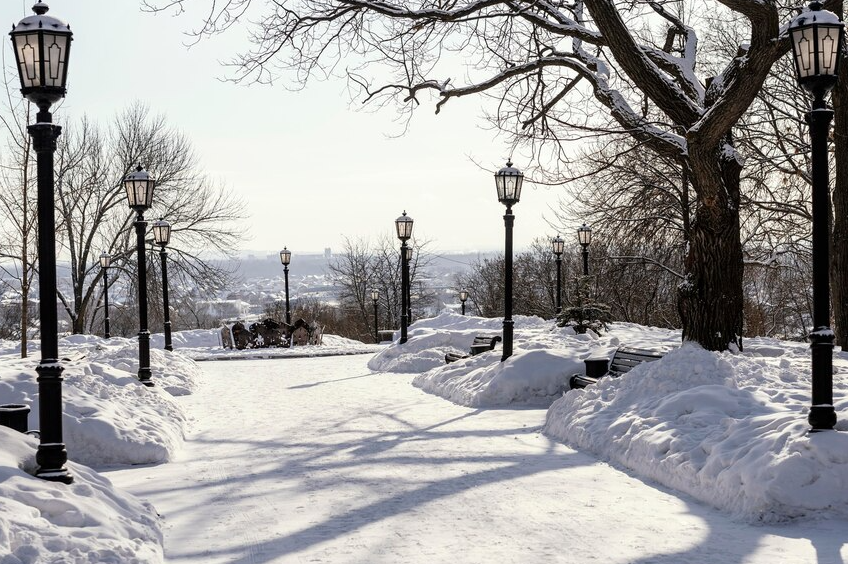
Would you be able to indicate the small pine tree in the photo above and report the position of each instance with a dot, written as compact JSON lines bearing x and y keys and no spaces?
{"x":587,"y":313}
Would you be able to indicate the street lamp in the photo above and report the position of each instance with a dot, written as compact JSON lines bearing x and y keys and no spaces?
{"x":403,"y":225}
{"x":584,"y":237}
{"x":285,"y":258}
{"x":162,"y":236}
{"x":463,"y":295}
{"x":558,"y":247}
{"x":375,"y":296}
{"x":508,"y":181}
{"x":139,"y":187}
{"x":42,"y":44}
{"x":105,"y":261}
{"x":816,"y":37}
{"x":409,"y":255}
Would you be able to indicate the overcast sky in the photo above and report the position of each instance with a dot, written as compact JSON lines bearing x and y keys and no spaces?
{"x":310,"y":167}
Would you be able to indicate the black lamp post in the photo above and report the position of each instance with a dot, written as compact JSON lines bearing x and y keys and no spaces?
{"x":403,"y":225}
{"x":105,"y":261}
{"x":139,"y":186}
{"x":463,"y":295}
{"x":162,"y":236}
{"x":508,"y":181}
{"x":375,"y":297}
{"x":409,"y":255}
{"x":816,"y":37}
{"x":285,"y":258}
{"x":584,"y":236}
{"x":558,"y":247}
{"x":42,"y":44}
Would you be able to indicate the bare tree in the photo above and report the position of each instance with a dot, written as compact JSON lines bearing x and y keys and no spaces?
{"x":91,"y":164}
{"x":18,"y":209}
{"x":363,"y":266}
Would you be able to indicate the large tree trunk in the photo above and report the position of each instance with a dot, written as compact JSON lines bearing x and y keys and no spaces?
{"x":710,"y":301}
{"x":839,"y":240}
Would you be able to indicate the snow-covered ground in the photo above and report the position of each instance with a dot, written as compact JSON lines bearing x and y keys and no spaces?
{"x":361,"y":453}
{"x":353,"y":467}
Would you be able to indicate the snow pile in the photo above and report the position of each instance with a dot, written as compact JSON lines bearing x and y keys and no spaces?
{"x":728,"y":429}
{"x":544,"y":358}
{"x":87,"y":522}
{"x":527,"y":378}
{"x":109,"y":416}
{"x":205,"y":344}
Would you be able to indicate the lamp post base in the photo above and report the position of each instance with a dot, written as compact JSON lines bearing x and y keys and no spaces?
{"x":144,"y":375}
{"x":51,"y":455}
{"x":822,"y":418}
{"x":47,"y":469}
{"x":144,"y":372}
{"x":61,"y":475}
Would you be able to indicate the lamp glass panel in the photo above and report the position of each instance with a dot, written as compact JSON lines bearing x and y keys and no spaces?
{"x":131,"y":196}
{"x":804,"y":45}
{"x":55,"y":51}
{"x":140,"y":189}
{"x":285,"y":256}
{"x":829,"y":42}
{"x":517,"y":182}
{"x":105,"y":260}
{"x":148,"y":192}
{"x":499,"y":184}
{"x":27,"y":51}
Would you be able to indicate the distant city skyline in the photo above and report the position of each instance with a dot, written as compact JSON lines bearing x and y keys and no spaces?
{"x":310,"y":168}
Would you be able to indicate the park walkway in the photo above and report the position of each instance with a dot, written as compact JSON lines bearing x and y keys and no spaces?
{"x":318,"y":460}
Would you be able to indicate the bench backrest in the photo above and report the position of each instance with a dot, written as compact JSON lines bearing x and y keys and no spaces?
{"x":625,"y":359}
{"x":486,"y":340}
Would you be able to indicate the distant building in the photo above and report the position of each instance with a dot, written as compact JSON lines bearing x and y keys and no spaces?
{"x":328,"y":253}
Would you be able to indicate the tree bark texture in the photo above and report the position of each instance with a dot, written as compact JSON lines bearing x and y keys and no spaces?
{"x":839,"y":238}
{"x":711,"y":299}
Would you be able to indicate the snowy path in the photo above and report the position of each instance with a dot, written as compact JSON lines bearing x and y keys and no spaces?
{"x":318,"y":460}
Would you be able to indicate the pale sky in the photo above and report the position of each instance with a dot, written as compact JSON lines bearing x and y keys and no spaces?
{"x":310,"y":168}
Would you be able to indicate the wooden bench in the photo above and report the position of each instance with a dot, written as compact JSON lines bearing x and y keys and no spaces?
{"x":623,"y":361}
{"x":481,"y":344}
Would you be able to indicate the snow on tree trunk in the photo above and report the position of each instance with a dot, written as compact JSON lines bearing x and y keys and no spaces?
{"x":711,"y":299}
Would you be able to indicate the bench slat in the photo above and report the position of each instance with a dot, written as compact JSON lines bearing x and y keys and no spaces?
{"x":481,"y":344}
{"x":623,"y":361}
